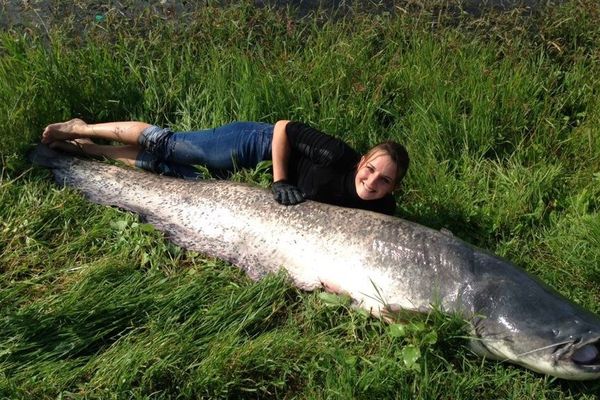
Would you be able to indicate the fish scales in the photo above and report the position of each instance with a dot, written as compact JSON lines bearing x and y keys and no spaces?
{"x":227,"y":220}
{"x":381,"y":262}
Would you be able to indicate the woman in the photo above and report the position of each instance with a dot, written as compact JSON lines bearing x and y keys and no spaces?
{"x":307,"y":164}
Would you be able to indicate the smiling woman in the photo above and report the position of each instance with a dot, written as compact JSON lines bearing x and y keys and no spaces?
{"x":307,"y":163}
{"x":326,"y":169}
{"x":381,"y":170}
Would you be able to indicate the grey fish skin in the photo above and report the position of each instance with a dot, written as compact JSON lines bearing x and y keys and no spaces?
{"x":382,"y":262}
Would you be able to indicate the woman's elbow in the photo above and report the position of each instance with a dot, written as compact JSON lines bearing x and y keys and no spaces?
{"x":281,"y":124}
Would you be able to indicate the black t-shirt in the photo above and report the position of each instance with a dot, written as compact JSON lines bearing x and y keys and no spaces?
{"x":324,"y":168}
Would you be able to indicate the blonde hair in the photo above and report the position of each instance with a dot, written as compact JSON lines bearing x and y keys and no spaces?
{"x":396,"y":152}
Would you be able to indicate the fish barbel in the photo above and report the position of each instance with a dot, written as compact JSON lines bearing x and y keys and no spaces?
{"x":381,"y":262}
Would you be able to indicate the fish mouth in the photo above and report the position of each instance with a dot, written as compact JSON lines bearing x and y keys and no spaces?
{"x":583,"y":354}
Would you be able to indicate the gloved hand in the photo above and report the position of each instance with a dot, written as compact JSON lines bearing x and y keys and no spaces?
{"x":286,"y":194}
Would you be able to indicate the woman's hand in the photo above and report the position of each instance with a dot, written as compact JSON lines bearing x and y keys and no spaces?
{"x":286,"y":194}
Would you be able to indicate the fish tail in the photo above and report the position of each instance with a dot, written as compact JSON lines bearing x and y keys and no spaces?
{"x":46,"y":157}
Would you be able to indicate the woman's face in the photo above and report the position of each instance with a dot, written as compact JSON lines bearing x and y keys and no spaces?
{"x":375,"y":177}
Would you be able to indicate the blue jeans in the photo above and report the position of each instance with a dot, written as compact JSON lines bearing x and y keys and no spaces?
{"x":222,"y":150}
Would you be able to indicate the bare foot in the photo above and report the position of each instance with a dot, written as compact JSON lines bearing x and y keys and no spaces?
{"x":63,"y":130}
{"x":75,"y":146}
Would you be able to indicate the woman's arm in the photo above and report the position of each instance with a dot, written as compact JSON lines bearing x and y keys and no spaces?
{"x":280,"y":150}
{"x":283,"y":192}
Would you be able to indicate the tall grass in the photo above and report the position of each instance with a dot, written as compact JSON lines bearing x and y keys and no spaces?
{"x":500,"y":114}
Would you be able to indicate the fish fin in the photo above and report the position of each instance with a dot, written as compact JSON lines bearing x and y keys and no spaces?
{"x":447,"y":232}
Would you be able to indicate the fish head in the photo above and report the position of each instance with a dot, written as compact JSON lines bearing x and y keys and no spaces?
{"x":529,"y":324}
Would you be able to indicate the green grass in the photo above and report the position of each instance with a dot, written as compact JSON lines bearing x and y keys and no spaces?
{"x":500,"y":114}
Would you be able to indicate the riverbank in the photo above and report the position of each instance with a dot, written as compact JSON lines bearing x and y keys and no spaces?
{"x":42,"y":14}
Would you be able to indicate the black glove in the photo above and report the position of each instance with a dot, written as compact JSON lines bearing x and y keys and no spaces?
{"x":286,"y":194}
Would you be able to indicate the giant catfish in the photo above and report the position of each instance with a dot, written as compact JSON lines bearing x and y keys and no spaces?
{"x":382,"y":262}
